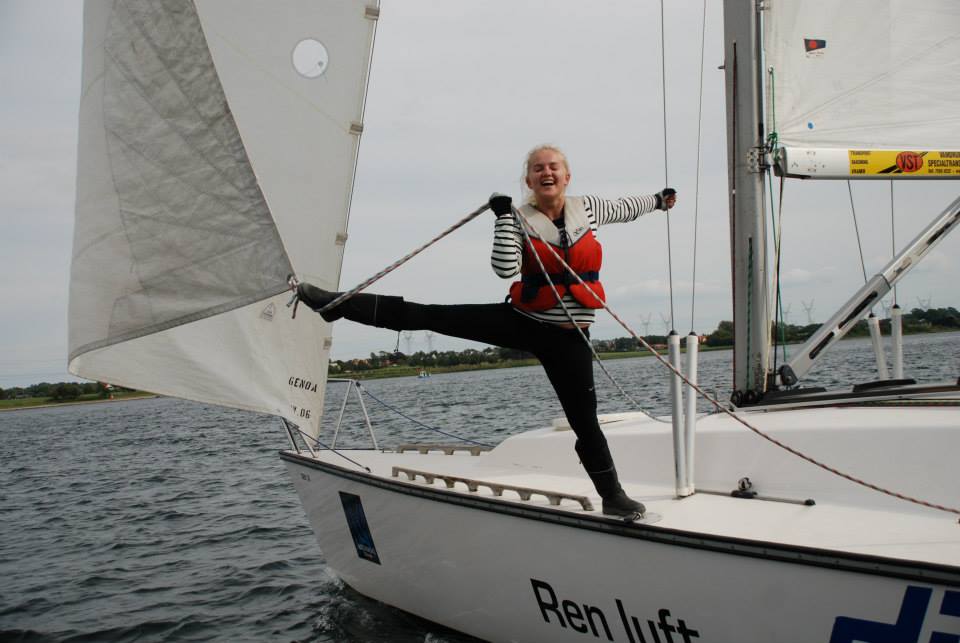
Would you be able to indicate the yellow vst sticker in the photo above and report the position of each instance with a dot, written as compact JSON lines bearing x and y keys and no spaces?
{"x":896,"y":162}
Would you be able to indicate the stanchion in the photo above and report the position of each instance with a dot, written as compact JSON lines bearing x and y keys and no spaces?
{"x":690,"y":412}
{"x":896,"y":335}
{"x":676,"y":407}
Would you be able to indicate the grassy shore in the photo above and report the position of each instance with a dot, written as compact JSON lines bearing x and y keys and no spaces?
{"x":93,"y":398}
{"x":412,"y":371}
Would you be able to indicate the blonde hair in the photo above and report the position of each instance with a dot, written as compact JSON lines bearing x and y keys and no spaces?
{"x":524,"y":190}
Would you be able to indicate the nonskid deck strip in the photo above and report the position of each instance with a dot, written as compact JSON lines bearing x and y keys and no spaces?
{"x":921,"y":571}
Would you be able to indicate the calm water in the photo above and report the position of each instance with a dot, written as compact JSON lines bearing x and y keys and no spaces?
{"x":168,"y":520}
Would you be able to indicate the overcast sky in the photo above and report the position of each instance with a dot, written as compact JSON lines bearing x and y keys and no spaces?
{"x":459,"y":92}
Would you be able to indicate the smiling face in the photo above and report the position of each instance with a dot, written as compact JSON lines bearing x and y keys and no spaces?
{"x":547,"y":174}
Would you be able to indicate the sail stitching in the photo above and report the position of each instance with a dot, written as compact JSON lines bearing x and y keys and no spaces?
{"x":132,"y":79}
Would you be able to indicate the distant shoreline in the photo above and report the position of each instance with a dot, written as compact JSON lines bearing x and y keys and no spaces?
{"x":140,"y":395}
{"x":414,"y":371}
{"x":408,"y":371}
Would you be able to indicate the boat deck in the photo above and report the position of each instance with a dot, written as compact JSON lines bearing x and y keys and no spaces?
{"x":844,"y":517}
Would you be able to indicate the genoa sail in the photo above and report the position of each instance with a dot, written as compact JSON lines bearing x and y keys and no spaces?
{"x":211,"y":166}
{"x":864,"y":88}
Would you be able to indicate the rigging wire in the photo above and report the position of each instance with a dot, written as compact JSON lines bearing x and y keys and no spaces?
{"x":419,"y":423}
{"x":776,"y":217}
{"x":893,"y":239}
{"x":307,"y":436}
{"x":783,"y":335}
{"x":666,"y":175}
{"x":696,"y":189}
{"x":856,"y":228}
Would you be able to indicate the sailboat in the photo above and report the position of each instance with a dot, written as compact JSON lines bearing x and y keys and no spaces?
{"x":195,"y":203}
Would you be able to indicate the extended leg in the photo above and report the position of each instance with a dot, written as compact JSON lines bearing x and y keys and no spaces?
{"x":496,"y":324}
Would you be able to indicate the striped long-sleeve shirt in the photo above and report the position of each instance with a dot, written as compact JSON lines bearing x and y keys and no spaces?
{"x":507,"y":256}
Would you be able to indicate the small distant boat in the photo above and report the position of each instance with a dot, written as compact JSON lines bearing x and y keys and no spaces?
{"x":423,"y":374}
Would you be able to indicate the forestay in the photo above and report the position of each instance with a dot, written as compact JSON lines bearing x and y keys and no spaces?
{"x":864,"y":88}
{"x":212,"y":140}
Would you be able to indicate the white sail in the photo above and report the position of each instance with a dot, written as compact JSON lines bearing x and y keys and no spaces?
{"x":211,"y":166}
{"x":865,"y":88}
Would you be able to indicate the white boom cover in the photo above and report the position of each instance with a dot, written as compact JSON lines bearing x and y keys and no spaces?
{"x":213,"y":163}
{"x":866,"y":75}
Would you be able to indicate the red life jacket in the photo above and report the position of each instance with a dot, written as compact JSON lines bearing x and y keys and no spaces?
{"x":580,"y":250}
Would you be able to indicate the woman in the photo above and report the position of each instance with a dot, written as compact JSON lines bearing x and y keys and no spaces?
{"x":534,"y":320}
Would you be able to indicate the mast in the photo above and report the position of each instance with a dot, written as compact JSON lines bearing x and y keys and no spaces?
{"x":748,"y":234}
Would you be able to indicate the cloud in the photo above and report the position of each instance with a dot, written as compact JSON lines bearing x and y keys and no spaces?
{"x":797,"y":276}
{"x":661,"y":287}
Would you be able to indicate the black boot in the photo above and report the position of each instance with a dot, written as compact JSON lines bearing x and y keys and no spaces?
{"x":605,"y":479}
{"x":615,"y":500}
{"x":373,"y":310}
{"x":317,"y":298}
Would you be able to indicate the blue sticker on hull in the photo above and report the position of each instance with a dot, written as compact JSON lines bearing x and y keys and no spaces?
{"x":907,"y":627}
{"x":359,"y":529}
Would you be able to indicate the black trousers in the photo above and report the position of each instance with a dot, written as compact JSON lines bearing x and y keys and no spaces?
{"x":564,"y":355}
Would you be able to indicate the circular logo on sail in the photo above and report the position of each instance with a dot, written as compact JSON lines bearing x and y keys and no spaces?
{"x":909,"y":161}
{"x":310,"y":58}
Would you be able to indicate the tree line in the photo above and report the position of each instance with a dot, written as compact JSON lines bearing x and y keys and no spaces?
{"x":58,"y":392}
{"x":916,"y":321}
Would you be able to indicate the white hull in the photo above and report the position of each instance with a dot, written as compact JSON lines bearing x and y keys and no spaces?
{"x":731,"y":570}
